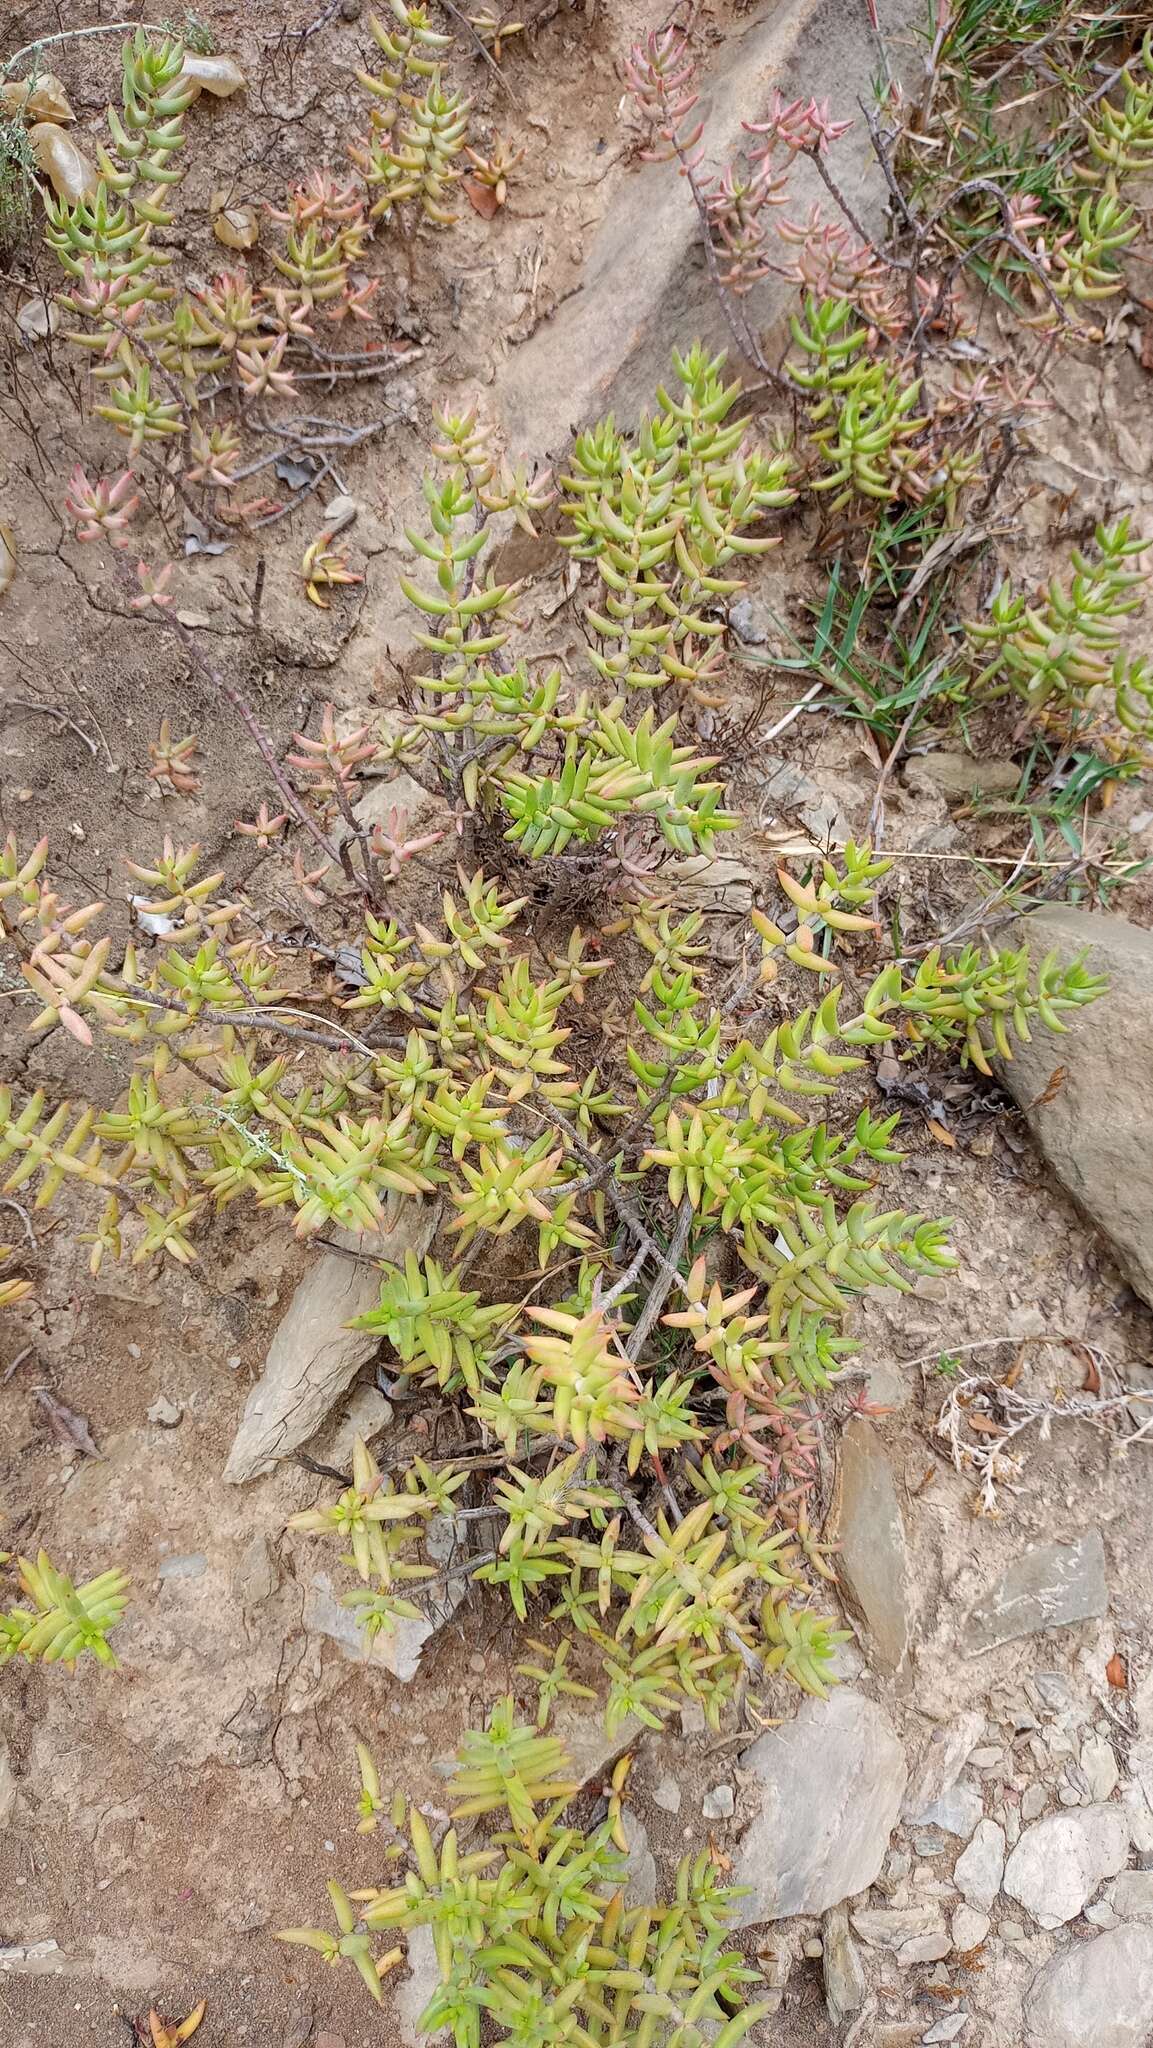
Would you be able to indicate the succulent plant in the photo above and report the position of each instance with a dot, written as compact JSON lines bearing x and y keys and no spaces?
{"x":63,"y":1622}
{"x":1062,"y":655}
{"x":531,"y":1935}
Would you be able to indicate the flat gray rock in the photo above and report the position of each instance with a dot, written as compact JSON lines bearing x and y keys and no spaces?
{"x":191,"y":1566}
{"x":872,"y":1559}
{"x":787,"y":791}
{"x":1099,"y":1994}
{"x":38,"y":1959}
{"x":409,"y":1998}
{"x":719,"y":1803}
{"x":1051,"y":1586}
{"x":831,"y":1783}
{"x":959,"y":775}
{"x":256,"y":1575}
{"x":846,"y":1985}
{"x":668,"y":1795}
{"x":923,"y":1948}
{"x":640,"y":1864}
{"x":1061,"y":1861}
{"x":361,"y":1418}
{"x":1099,"y":1768}
{"x":1096,"y":1130}
{"x":977,"y":1874}
{"x":580,"y":1726}
{"x":709,"y":881}
{"x":956,"y":1812}
{"x":968,"y":1928}
{"x":893,"y":1926}
{"x":1132,"y":1896}
{"x":398,"y":1650}
{"x":946,"y":2029}
{"x":314,"y":1357}
{"x":940,"y":1764}
{"x":643,"y":287}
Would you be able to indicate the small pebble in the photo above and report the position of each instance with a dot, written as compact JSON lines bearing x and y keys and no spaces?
{"x":692,"y":1718}
{"x":946,"y":2029}
{"x":923,"y":1948}
{"x":814,"y":1948}
{"x":1099,"y":1767}
{"x":969,"y":1929}
{"x":987,"y":1759}
{"x":134,"y":1351}
{"x":165,"y":1413}
{"x":476,"y":1662}
{"x":668,"y":1796}
{"x":1033,"y":1802}
{"x":719,"y":1803}
{"x":190,"y":1567}
{"x":1101,"y":1915}
{"x":747,"y":623}
{"x":341,"y":512}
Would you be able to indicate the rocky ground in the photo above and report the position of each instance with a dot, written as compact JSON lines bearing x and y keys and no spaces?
{"x":958,"y":1844}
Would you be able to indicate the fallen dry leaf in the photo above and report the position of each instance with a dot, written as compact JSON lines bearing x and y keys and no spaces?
{"x":66,"y":1425}
{"x":237,"y":227}
{"x":219,"y":75}
{"x":983,"y":1426}
{"x":1117,"y":1672}
{"x":481,"y":198}
{"x":1091,"y":1384}
{"x":1053,"y":1086}
{"x":1010,"y":1378}
{"x":72,"y":176}
{"x":762,"y":1720}
{"x":37,"y":318}
{"x":39,"y":98}
{"x":7,"y":556}
{"x":939,"y":1132}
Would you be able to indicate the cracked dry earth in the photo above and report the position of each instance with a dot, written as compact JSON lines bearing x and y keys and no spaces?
{"x":959,"y":1845}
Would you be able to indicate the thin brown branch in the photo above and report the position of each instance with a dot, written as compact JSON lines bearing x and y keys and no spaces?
{"x":52,"y":711}
{"x":263,"y":743}
{"x":670,"y":1275}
